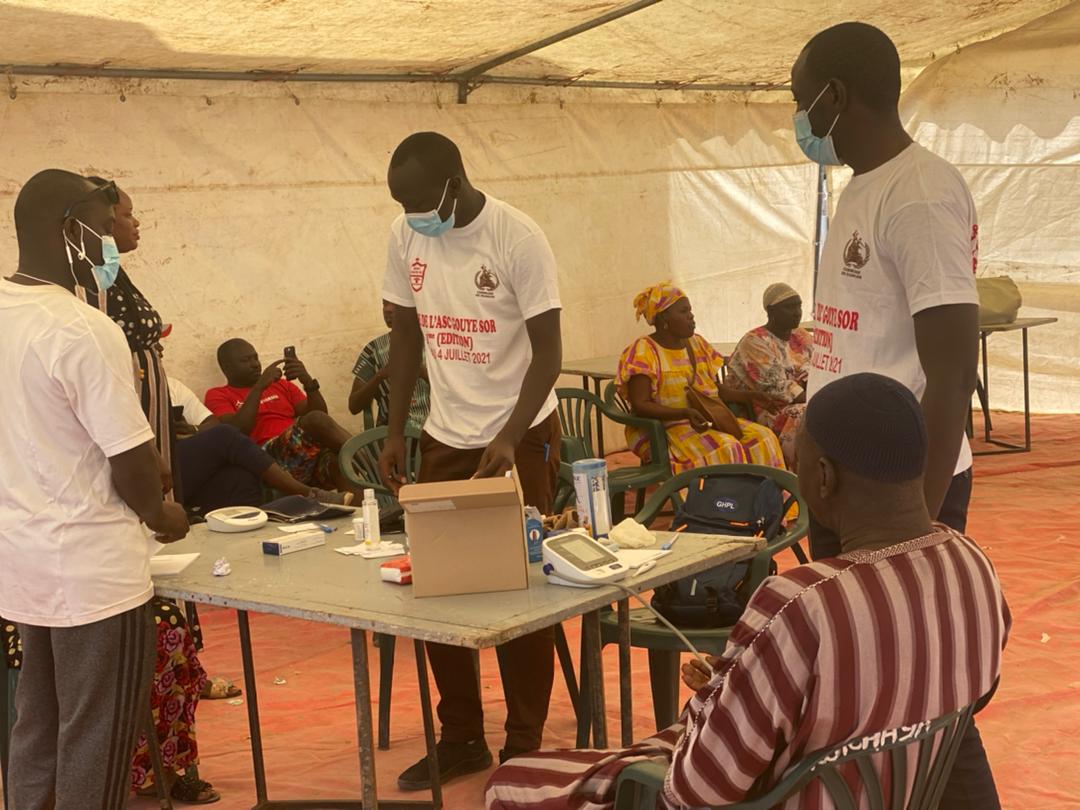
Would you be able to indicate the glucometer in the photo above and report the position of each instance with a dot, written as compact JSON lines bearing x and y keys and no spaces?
{"x":577,"y":560}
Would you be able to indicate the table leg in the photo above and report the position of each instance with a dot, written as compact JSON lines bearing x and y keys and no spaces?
{"x":584,"y":715}
{"x":1027,"y":395}
{"x":1007,"y":446}
{"x":986,"y":388}
{"x":429,"y":724}
{"x":599,"y":421}
{"x":252,"y":700}
{"x":364,"y":734}
{"x":590,"y":627}
{"x":626,"y":706}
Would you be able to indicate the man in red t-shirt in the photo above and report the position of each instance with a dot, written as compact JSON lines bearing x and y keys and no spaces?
{"x":293,"y":426}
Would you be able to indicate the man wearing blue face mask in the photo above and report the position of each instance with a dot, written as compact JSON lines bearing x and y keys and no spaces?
{"x":79,"y":476}
{"x":475,"y":288}
{"x":896,"y":287}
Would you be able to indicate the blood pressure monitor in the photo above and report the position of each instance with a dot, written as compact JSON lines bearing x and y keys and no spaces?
{"x":575,"y":559}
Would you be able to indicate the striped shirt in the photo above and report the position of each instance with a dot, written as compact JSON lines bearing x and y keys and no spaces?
{"x":849,"y":646}
{"x":376,"y":356}
{"x":854,"y":645}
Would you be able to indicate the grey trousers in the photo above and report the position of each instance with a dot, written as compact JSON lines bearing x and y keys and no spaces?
{"x":83,"y":694}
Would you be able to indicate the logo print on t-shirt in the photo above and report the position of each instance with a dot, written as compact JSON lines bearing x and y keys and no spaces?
{"x":486,"y":282}
{"x":856,"y":255}
{"x":417,"y":270}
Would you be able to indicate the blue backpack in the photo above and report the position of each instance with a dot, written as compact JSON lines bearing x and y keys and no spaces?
{"x":743,"y":505}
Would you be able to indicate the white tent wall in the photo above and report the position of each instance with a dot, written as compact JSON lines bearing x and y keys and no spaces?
{"x":1007,"y":113}
{"x":265,"y":212}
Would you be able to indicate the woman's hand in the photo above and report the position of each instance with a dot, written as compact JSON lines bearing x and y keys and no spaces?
{"x":697,"y":421}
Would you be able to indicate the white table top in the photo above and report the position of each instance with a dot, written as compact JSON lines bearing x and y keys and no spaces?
{"x":321,"y":585}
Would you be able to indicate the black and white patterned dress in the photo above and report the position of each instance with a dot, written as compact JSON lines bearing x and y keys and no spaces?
{"x":142,"y":325}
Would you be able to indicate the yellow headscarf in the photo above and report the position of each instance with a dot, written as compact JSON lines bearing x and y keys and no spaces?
{"x":651,"y":301}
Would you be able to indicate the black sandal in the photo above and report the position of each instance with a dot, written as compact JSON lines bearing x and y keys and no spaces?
{"x":189,"y":789}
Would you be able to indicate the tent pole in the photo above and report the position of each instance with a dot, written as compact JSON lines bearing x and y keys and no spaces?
{"x":821,"y":225}
{"x":465,"y":86}
{"x":525,"y":50}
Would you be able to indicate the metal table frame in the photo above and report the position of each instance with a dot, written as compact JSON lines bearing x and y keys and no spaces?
{"x":686,"y":559}
{"x":1021,"y":325}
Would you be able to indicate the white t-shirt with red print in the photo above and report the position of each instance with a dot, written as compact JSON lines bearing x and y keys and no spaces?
{"x":473,"y":289}
{"x":905,"y":238}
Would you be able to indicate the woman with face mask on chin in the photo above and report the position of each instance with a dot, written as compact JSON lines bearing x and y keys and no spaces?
{"x":654,"y":374}
{"x":178,"y":642}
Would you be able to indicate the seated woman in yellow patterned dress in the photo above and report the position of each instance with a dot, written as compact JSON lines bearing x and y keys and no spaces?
{"x":654,"y":373}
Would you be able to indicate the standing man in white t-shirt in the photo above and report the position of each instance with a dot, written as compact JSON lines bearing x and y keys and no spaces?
{"x":896,"y":287}
{"x":79,"y":475}
{"x":476,"y":288}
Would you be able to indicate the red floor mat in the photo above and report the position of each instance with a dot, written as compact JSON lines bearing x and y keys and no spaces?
{"x":1022,"y":512}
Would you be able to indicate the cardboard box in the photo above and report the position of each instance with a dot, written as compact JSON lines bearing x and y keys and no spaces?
{"x":466,"y":536}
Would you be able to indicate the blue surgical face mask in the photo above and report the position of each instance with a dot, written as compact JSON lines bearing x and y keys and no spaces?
{"x":430,"y":223}
{"x":105,"y":273}
{"x":819,"y":150}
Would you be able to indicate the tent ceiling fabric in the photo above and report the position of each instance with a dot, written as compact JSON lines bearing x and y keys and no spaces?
{"x":680,"y":42}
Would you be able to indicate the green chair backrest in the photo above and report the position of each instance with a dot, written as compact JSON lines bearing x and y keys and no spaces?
{"x":369,"y":416}
{"x":359,"y":457}
{"x":615,"y":400}
{"x":577,"y":409}
{"x":937,"y":740}
{"x":931,"y":771}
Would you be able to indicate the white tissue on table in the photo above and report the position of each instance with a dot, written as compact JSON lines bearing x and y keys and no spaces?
{"x":221,"y":567}
{"x":299,"y":527}
{"x":384,"y":549}
{"x":631,"y":534}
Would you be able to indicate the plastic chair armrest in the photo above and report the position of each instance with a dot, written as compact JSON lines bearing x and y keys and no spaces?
{"x":639,"y":785}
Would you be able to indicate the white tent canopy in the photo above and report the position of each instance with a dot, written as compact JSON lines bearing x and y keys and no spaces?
{"x":672,"y":42}
{"x":264,"y":206}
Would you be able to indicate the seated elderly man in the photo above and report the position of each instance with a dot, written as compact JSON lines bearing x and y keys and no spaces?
{"x":774,"y":360}
{"x":907,"y":624}
{"x":293,"y":426}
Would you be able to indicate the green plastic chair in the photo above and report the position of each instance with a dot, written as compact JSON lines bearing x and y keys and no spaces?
{"x":639,"y":785}
{"x":369,"y":416}
{"x":577,"y":409}
{"x":663,"y":646}
{"x":359,"y":458}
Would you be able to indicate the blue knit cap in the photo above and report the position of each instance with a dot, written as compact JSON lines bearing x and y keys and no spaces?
{"x":871,"y":425}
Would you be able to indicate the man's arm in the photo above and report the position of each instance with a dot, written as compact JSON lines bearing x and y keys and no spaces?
{"x":947,"y":339}
{"x":363,"y":392}
{"x":545,"y":336}
{"x":406,"y":344}
{"x":135,"y":476}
